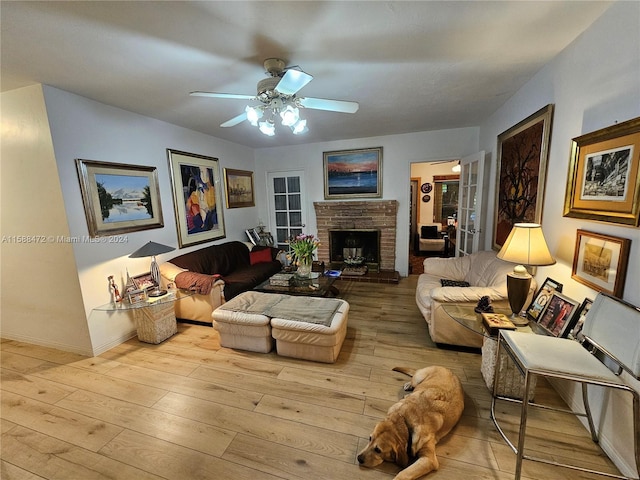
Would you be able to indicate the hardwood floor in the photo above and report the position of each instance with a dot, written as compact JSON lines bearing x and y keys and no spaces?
{"x":189,"y":409}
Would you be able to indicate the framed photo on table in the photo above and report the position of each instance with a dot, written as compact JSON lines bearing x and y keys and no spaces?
{"x":523,"y":152}
{"x":144,"y":281}
{"x":542,"y":297}
{"x":353,"y":173}
{"x":604,"y":175}
{"x":197,"y":197}
{"x":600,"y":261}
{"x":119,"y":198}
{"x":558,"y":315}
{"x":581,"y":314}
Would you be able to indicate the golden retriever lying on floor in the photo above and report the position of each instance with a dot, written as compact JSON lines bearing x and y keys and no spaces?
{"x":416,"y":423}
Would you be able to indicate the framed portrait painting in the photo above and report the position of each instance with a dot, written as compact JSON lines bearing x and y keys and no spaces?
{"x":523,"y":152}
{"x":239,"y":188}
{"x":197,"y":197}
{"x":600,"y":262}
{"x":119,"y":198}
{"x":558,"y":315}
{"x":604,"y":175}
{"x":353,"y":173}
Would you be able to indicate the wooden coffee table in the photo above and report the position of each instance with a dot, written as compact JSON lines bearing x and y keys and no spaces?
{"x":320,"y":286}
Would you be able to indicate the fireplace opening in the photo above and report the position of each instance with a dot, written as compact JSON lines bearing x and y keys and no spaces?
{"x":355,"y":247}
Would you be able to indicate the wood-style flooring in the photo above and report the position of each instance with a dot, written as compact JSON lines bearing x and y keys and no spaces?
{"x":189,"y":409}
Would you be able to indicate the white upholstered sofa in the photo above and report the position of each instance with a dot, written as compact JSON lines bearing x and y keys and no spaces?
{"x":486,"y":275}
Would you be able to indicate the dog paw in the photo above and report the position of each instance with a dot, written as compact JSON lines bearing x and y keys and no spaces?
{"x":408,"y":387}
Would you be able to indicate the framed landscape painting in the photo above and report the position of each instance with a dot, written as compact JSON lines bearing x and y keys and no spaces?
{"x":353,"y":173}
{"x":197,"y":197}
{"x":604,"y":175}
{"x":119,"y":198}
{"x":523,"y":152}
{"x":239,"y":187}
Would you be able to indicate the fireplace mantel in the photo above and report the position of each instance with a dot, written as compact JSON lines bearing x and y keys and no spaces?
{"x":380,"y":215}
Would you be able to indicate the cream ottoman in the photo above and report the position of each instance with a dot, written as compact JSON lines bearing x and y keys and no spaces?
{"x":241,"y":324}
{"x":312,"y":341}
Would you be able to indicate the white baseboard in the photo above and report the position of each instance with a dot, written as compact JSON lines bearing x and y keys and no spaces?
{"x":58,"y":346}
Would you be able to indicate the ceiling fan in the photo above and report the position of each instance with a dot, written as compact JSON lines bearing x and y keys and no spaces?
{"x":277,"y":95}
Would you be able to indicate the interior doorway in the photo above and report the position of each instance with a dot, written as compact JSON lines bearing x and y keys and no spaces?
{"x":425,"y":204}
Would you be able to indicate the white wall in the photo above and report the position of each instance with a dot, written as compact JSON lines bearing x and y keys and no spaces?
{"x":399,"y":152}
{"x":41,"y":299}
{"x":594,"y":83}
{"x":82,"y":128}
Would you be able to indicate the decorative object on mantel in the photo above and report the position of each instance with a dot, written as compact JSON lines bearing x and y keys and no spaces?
{"x":353,"y":173}
{"x":151,"y":249}
{"x":523,"y":152}
{"x":604,"y":175}
{"x":525,"y":245}
{"x":600,"y":262}
{"x":301,"y":250}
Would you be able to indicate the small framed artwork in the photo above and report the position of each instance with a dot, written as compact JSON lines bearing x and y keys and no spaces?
{"x":523,"y":152}
{"x":144,"y":281}
{"x":137,"y":296}
{"x":239,"y":188}
{"x":581,"y":314}
{"x":558,"y":314}
{"x":604,"y":175}
{"x":254,"y":236}
{"x":119,"y":198}
{"x":353,"y":173}
{"x":600,"y":262}
{"x":197,"y":197}
{"x":542,"y":297}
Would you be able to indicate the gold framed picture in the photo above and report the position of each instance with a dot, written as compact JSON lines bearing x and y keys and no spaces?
{"x":604,"y":175}
{"x":600,"y":262}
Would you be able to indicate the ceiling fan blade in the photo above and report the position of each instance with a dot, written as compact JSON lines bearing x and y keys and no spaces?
{"x":292,"y":82}
{"x":330,"y":105}
{"x":223,"y":95}
{"x":235,"y":120}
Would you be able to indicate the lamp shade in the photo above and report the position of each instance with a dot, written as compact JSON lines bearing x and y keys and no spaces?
{"x":151,"y":249}
{"x":526,"y":245}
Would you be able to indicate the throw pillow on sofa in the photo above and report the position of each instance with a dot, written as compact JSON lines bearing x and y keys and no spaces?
{"x":260,"y":256}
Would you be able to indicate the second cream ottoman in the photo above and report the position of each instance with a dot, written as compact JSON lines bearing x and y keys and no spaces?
{"x":311,"y":341}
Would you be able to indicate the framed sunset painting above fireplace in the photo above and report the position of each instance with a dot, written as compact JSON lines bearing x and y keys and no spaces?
{"x":353,"y":173}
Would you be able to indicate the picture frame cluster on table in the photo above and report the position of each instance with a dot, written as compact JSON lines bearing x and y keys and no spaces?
{"x":553,"y":313}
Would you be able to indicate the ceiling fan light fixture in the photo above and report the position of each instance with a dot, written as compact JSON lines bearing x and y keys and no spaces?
{"x":290,"y":116}
{"x":456,"y":168}
{"x":300,"y":127}
{"x":253,"y":115}
{"x":268,"y":128}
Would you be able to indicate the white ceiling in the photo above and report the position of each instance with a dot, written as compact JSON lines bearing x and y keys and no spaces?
{"x":412,"y":66}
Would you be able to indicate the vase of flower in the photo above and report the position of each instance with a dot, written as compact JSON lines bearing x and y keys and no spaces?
{"x":304,"y":267}
{"x":301,"y":250}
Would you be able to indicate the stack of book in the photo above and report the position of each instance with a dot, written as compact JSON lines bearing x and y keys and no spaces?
{"x":495,"y":321}
{"x":281,"y":279}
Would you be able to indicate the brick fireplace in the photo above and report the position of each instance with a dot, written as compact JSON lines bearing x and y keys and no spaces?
{"x":361,"y":215}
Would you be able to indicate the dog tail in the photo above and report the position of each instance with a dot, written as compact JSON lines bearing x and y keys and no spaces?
{"x":405,"y":370}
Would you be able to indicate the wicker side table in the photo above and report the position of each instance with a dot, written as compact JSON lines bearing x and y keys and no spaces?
{"x":510,"y":380}
{"x":156,"y":323}
{"x":155,"y":318}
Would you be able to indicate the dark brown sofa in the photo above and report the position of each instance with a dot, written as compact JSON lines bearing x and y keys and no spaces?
{"x":217,"y":273}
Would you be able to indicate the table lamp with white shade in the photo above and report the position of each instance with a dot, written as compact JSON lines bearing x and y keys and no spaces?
{"x":151,"y":249}
{"x":525,"y":245}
